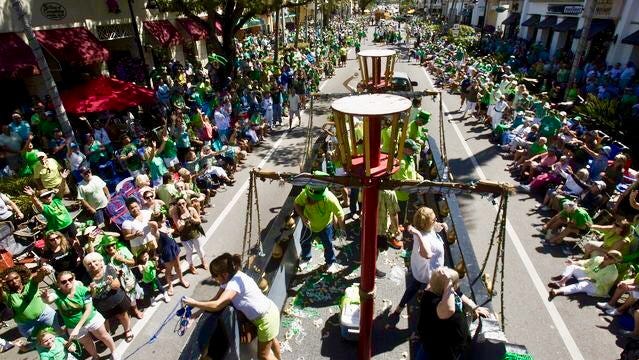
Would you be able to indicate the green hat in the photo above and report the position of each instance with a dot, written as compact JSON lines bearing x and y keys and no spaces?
{"x":411,"y":144}
{"x":108,"y":240}
{"x":423,"y":115}
{"x":317,"y":192}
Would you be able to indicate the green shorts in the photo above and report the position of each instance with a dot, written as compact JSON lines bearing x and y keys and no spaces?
{"x":268,"y":325}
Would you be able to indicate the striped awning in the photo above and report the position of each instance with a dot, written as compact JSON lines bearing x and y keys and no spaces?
{"x":512,"y":19}
{"x":548,"y":23}
{"x":532,"y":21}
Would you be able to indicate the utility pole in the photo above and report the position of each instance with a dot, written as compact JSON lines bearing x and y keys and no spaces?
{"x":52,"y":88}
{"x":483,"y":22}
{"x":138,"y":43}
{"x":277,"y":34}
{"x":589,"y":10}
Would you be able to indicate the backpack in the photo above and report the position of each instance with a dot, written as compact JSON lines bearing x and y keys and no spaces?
{"x":630,"y":350}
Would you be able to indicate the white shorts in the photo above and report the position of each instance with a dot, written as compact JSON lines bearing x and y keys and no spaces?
{"x":170,"y":162}
{"x":93,"y":325}
{"x":470,"y":106}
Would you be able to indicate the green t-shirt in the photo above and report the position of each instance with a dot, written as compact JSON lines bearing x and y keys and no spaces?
{"x":71,"y":307}
{"x":407,"y":171}
{"x":27,"y":305}
{"x":46,"y":127}
{"x":57,"y":352}
{"x":320,"y":213}
{"x":96,"y":154}
{"x":57,"y":215}
{"x":536,"y":149}
{"x":386,"y":139}
{"x":417,"y":132}
{"x":157,"y":168}
{"x":549,"y":126}
{"x":170,"y":150}
{"x":149,"y":272}
{"x":134,"y":162}
{"x":539,"y":109}
{"x":580,"y":218}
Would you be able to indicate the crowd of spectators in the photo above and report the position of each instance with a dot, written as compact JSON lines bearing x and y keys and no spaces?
{"x":143,"y":180}
{"x":582,"y":177}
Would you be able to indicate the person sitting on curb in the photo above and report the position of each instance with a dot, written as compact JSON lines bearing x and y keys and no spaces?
{"x":594,"y":277}
{"x":317,"y":206}
{"x":574,"y":219}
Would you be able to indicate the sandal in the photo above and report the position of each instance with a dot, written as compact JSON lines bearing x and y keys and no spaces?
{"x":170,"y":291}
{"x":185,"y":284}
{"x":128,"y":336}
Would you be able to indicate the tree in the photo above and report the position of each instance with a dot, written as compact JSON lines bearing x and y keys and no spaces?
{"x":231,"y":14}
{"x":52,"y":88}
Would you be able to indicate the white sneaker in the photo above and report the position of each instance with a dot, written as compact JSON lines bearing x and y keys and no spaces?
{"x":612,"y":312}
{"x":166,"y":298}
{"x":604,"y":305}
{"x":304,"y":264}
{"x":333,"y":268}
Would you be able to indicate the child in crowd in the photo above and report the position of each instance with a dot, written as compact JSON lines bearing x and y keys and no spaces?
{"x":150,"y":282}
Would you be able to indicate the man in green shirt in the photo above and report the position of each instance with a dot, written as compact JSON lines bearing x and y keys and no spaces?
{"x":549,"y":125}
{"x":407,"y":171}
{"x":417,"y":130}
{"x":49,"y":203}
{"x":318,"y":207}
{"x":129,"y":155}
{"x":19,"y":291}
{"x":575,"y":220}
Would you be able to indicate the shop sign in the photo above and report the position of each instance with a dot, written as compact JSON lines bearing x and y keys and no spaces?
{"x":565,"y":9}
{"x":53,"y":10}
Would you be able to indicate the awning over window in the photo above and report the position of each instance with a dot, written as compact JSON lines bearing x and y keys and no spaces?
{"x":75,"y":46}
{"x":548,"y":23}
{"x":254,"y":22}
{"x":17,"y":59}
{"x":632,"y":39}
{"x":512,"y":19}
{"x":194,"y":29}
{"x":567,"y":24}
{"x":596,"y":27}
{"x":163,"y":32}
{"x":532,"y":21}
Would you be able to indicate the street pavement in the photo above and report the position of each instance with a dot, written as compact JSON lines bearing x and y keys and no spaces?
{"x":567,"y":328}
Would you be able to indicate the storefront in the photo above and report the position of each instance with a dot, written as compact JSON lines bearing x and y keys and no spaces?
{"x":194,"y":50}
{"x":511,"y":24}
{"x":162,"y":42}
{"x":17,"y":68}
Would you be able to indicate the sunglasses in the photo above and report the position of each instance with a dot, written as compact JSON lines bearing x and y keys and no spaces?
{"x":55,"y":237}
{"x":148,"y":197}
{"x":181,"y":203}
{"x":66,"y":281}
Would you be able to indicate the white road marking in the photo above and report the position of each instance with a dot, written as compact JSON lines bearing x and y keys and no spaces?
{"x":149,"y":312}
{"x":566,"y":337}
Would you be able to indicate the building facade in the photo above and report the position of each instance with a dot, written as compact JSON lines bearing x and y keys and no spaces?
{"x":93,"y":37}
{"x":613,"y":36}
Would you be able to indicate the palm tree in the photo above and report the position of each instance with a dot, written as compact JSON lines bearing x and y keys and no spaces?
{"x":52,"y":88}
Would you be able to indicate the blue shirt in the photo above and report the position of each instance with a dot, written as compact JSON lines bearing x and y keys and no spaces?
{"x":22,"y":129}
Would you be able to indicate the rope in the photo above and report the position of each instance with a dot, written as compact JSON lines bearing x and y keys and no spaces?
{"x":492,"y":241}
{"x":442,"y":137}
{"x":503,"y":255}
{"x":259,"y":220}
{"x":247,"y":218}
{"x":154,"y":337}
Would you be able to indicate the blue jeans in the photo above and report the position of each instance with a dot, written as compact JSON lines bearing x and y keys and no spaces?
{"x":326,"y":236}
{"x":353,"y":195}
{"x":277,"y":113}
{"x":49,"y":317}
{"x":100,"y":216}
{"x":412,"y":287}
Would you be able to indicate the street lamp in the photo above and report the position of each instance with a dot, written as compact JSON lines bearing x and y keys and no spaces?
{"x":371,"y":166}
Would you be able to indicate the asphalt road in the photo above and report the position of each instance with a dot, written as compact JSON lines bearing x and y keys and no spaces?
{"x":567,"y":328}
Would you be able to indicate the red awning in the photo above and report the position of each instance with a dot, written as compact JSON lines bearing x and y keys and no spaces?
{"x":105,"y":94}
{"x":194,"y":29}
{"x":75,"y":46}
{"x":163,"y":31}
{"x":17,"y":59}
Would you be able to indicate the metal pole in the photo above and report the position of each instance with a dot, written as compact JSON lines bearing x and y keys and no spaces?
{"x":277,"y":36}
{"x":589,"y":10}
{"x":368,"y":251}
{"x":138,"y":43}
